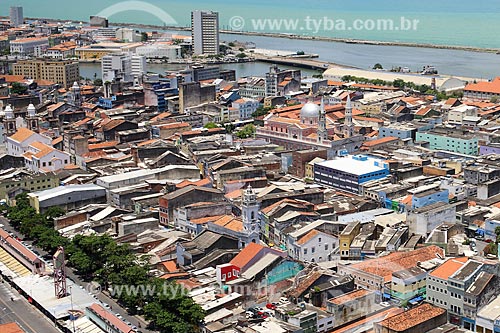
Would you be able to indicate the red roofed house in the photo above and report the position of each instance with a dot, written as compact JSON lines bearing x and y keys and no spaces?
{"x":373,"y":274}
{"x":483,"y":90}
{"x":377,"y":143}
{"x":312,"y":246}
{"x":19,"y":143}
{"x":107,"y":320}
{"x":17,"y":250}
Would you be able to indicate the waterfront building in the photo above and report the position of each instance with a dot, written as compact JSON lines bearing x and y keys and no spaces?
{"x":483,"y":90}
{"x":159,"y":51}
{"x":122,"y":67}
{"x":205,"y":32}
{"x":95,"y":52}
{"x":63,"y":72}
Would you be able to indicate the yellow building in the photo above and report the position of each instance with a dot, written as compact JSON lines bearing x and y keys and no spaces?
{"x":309,"y":170}
{"x":63,"y":72}
{"x":97,"y":51}
{"x":347,"y":236}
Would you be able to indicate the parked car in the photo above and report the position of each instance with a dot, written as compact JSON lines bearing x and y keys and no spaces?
{"x":271,"y":306}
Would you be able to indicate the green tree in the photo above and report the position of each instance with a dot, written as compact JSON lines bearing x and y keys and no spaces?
{"x":144,"y":37}
{"x":261,"y":111}
{"x":210,"y":125}
{"x":378,"y":66}
{"x":399,"y":83}
{"x":98,"y":82}
{"x":246,"y":132}
{"x":241,"y":55}
{"x":18,"y":88}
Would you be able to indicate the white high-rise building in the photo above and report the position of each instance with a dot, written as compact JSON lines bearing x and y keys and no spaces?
{"x":16,"y":16}
{"x":117,"y":67}
{"x":139,"y":66}
{"x":205,"y":32}
{"x":123,"y":67}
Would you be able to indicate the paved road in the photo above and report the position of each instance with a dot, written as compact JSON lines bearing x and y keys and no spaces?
{"x":20,"y":311}
{"x":137,"y":321}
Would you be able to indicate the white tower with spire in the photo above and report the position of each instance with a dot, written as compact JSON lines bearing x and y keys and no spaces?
{"x":348,"y":125}
{"x":250,"y":215}
{"x":32,"y":120}
{"x":76,"y":95}
{"x":9,"y":121}
{"x":322,"y":131}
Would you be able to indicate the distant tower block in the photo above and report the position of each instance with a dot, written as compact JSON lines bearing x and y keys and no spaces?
{"x":60,"y":273}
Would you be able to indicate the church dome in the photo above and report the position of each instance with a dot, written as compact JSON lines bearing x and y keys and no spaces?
{"x":310,"y":110}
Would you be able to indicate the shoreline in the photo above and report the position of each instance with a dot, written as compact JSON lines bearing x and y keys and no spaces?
{"x":298,"y":37}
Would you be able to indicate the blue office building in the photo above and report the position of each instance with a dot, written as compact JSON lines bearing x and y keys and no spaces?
{"x":349,"y":172}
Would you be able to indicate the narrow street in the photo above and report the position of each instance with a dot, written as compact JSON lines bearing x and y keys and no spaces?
{"x":137,"y":321}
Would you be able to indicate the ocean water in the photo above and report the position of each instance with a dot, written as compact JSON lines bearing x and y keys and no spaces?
{"x":448,"y":22}
{"x":451,"y":22}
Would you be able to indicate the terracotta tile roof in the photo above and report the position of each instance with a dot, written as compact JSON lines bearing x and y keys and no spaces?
{"x":349,"y":296}
{"x":82,"y":122}
{"x":205,"y":220}
{"x":28,"y":155}
{"x":411,"y":318}
{"x":234,"y":194}
{"x":335,"y":83}
{"x":147,"y":142}
{"x":484,"y":87}
{"x":230,"y":222}
{"x":22,"y":134}
{"x":170,"y":266}
{"x":57,"y":140}
{"x":386,"y":265}
{"x":103,"y":145}
{"x":305,"y":284}
{"x":407,"y":200}
{"x":380,"y":141}
{"x":174,"y":275}
{"x":43,"y":83}
{"x":448,"y":268}
{"x":43,"y":149}
{"x":173,"y":125}
{"x":185,"y":183}
{"x":11,"y":328}
{"x":245,"y":255}
{"x":22,"y":249}
{"x":375,"y":120}
{"x":270,"y":208}
{"x":112,"y":124}
{"x":12,"y":78}
{"x":423,"y":111}
{"x":307,"y":237}
{"x":109,"y":317}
